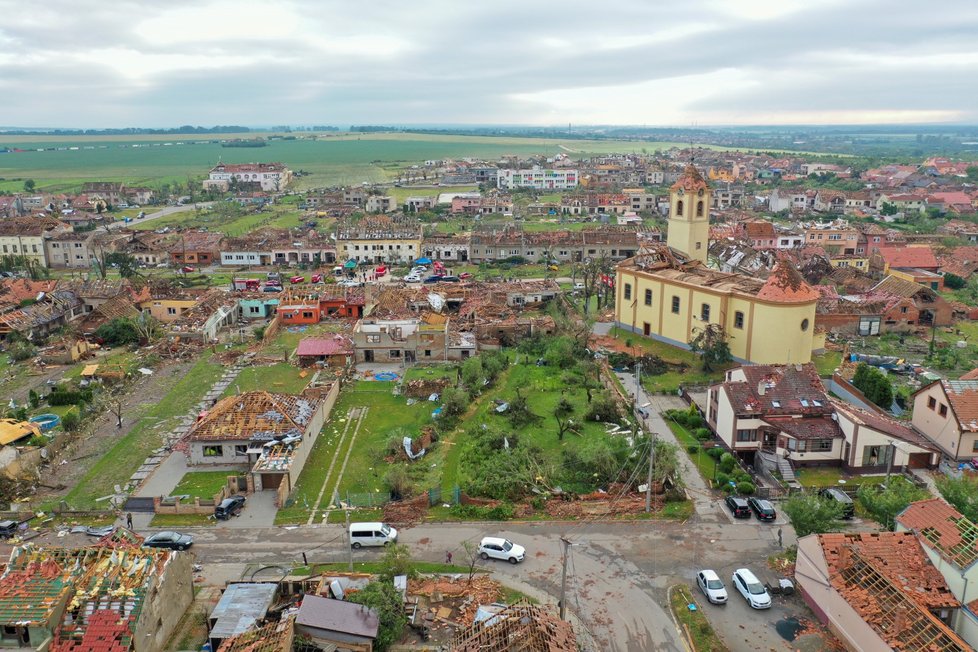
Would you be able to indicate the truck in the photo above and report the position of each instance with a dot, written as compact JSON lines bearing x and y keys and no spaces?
{"x":245,"y":284}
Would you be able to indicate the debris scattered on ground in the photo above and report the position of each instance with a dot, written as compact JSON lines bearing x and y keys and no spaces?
{"x":406,"y":512}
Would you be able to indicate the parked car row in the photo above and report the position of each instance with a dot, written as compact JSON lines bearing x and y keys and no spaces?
{"x":746,"y":583}
{"x":381,"y":534}
{"x":743,"y":507}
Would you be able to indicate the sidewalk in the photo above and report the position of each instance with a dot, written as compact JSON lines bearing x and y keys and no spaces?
{"x":703,"y":500}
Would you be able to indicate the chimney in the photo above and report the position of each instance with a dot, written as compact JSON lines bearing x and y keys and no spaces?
{"x":899,"y":621}
{"x":761,"y":388}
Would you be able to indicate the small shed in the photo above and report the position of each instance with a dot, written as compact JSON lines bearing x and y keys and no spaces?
{"x":343,"y":624}
{"x":335,"y":351}
{"x":242,"y":607}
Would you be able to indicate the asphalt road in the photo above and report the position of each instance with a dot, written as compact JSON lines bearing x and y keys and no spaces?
{"x":618,"y":573}
{"x":163,"y":212}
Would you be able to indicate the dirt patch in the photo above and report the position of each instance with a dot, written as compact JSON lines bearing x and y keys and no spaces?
{"x":424,"y":387}
{"x":453,"y":602}
{"x":406,"y":513}
{"x":603,"y":504}
{"x":88,"y":445}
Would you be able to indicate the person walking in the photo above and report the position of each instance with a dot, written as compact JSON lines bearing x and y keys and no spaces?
{"x":780,"y":540}
{"x":129,"y":520}
{"x":448,"y":557}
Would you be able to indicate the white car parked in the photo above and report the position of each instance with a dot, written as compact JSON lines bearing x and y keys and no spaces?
{"x":711,"y":586}
{"x":412,"y":278}
{"x":499,"y":548}
{"x":752,"y":589}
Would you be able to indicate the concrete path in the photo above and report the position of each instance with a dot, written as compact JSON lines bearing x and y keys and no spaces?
{"x":163,"y":212}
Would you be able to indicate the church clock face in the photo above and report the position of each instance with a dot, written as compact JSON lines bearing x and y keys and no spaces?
{"x":700,"y":193}
{"x":681,"y":193}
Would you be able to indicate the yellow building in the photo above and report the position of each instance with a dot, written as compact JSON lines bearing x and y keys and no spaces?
{"x":667,"y":292}
{"x":689,"y":215}
{"x":24,"y":236}
{"x":168,"y":310}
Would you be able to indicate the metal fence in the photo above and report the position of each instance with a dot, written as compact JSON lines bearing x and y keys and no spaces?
{"x":435,"y":496}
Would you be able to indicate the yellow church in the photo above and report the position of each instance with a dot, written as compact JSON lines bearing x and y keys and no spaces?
{"x":668,"y":293}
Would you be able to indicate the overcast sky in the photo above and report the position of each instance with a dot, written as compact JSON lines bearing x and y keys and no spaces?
{"x":162,"y":63}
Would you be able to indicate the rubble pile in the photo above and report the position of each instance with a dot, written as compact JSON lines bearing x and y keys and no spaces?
{"x":406,"y":512}
{"x":458,"y":594}
{"x":423,"y":388}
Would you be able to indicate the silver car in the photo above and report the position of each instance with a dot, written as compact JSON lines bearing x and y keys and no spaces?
{"x":712,"y":586}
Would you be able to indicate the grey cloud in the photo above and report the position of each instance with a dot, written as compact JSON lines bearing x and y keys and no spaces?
{"x":467,"y":59}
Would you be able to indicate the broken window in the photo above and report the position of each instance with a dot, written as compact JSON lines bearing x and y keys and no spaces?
{"x":213,"y":451}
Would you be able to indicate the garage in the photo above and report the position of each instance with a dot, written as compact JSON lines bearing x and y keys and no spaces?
{"x":919,"y":460}
{"x":271,"y":480}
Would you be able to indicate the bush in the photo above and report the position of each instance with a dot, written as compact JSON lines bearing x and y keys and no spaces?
{"x":502,"y":512}
{"x":694,"y":420}
{"x":746,"y":488}
{"x":723,"y":479}
{"x":953,"y":281}
{"x":21,"y":351}
{"x":741,"y":476}
{"x":602,"y":408}
{"x":727,"y":463}
{"x":692,"y":448}
{"x":716,"y":453}
{"x":727,"y":488}
{"x":398,"y":482}
{"x":70,"y":422}
{"x":33,"y":399}
{"x":454,"y":402}
{"x":703,"y":434}
{"x":259,"y":332}
{"x":117,"y":332}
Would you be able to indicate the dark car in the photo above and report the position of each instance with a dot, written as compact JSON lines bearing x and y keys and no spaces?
{"x":450,"y":279}
{"x":229,"y":507}
{"x":763,"y":510}
{"x":169,"y":540}
{"x":8,"y":528}
{"x":738,"y":507}
{"x":433,"y":279}
{"x":841,"y":497}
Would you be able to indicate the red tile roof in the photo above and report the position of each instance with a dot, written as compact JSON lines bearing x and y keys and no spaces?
{"x":944,"y":529}
{"x":963,"y":396}
{"x":785,"y":387}
{"x":817,"y":428}
{"x":691,"y":180}
{"x":759,"y":229}
{"x":786,"y":285}
{"x":921,"y":257}
{"x":337,"y":345}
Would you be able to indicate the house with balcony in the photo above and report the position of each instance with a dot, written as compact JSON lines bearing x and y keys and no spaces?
{"x":404,"y":340}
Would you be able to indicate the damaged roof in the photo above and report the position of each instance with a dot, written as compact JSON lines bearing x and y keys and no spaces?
{"x":944,"y":529}
{"x":887,"y":578}
{"x":255,"y":416}
{"x":779,"y":390}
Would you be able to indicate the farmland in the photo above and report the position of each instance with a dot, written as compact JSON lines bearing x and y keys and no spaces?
{"x":67,"y":162}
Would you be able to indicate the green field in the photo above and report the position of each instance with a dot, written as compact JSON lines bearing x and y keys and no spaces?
{"x":330,"y":160}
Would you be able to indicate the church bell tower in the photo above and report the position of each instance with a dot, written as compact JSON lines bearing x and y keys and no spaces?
{"x":689,"y":215}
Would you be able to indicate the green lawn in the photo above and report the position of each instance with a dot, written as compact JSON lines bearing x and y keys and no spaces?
{"x":703,"y":462}
{"x":282,"y":378}
{"x":670,"y":381}
{"x":829,"y":476}
{"x":287,"y":338}
{"x":698,"y":628}
{"x":366,"y":468}
{"x":431,"y":372}
{"x":181,"y":520}
{"x":827,"y":362}
{"x":201,"y":484}
{"x":128,"y":453}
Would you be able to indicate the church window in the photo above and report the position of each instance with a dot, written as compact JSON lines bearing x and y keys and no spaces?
{"x":628,"y":290}
{"x":648,"y":297}
{"x":804,"y":324}
{"x":699,"y":209}
{"x":738,"y":319}
{"x":679,"y":207}
{"x":705,"y":312}
{"x":675,"y":304}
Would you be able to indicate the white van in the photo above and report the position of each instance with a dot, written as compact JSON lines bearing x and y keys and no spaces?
{"x":371,"y":534}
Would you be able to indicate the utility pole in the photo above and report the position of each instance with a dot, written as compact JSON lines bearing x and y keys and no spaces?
{"x":891,"y":449}
{"x":563,"y":578}
{"x":648,"y":485}
{"x":348,"y":546}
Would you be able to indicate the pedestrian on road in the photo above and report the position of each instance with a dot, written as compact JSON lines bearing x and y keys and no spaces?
{"x":448,"y":557}
{"x":780,"y":540}
{"x":129,"y":520}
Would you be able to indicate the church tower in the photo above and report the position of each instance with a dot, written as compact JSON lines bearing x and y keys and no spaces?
{"x":689,"y":215}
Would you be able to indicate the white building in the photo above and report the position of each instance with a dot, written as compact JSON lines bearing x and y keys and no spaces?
{"x":270,"y":177}
{"x":537,"y":178}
